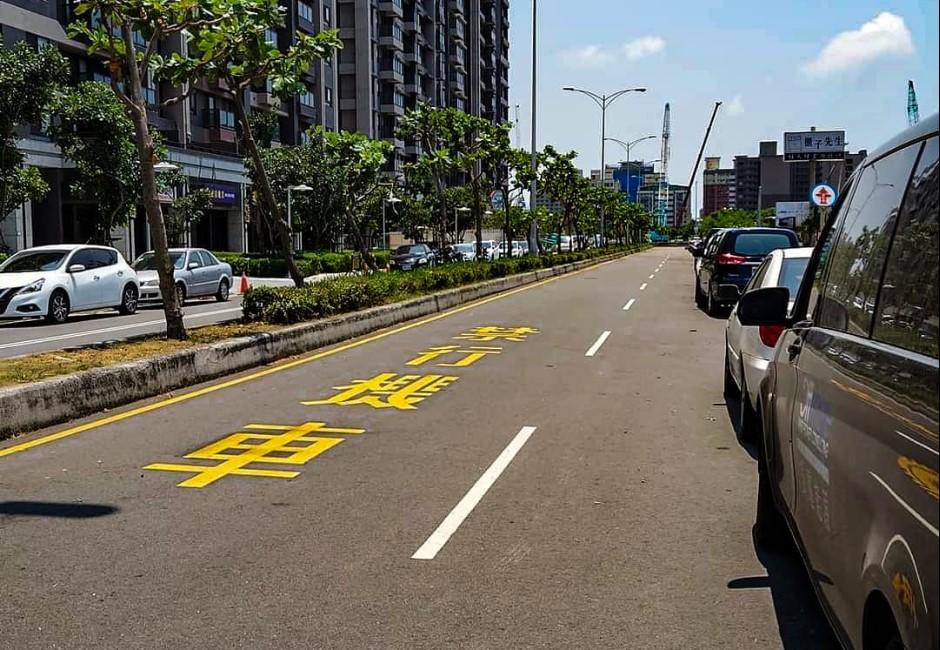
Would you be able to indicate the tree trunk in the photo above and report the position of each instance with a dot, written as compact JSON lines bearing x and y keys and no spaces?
{"x":281,"y":229}
{"x":478,"y":218}
{"x":361,"y":245}
{"x":172,"y":310}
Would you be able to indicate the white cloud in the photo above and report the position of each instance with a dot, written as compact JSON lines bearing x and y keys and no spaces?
{"x":884,"y":35}
{"x":643,"y":46}
{"x":735,"y":106}
{"x":589,"y":56}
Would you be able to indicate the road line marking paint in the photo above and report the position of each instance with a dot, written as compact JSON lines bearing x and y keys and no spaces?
{"x":652,"y":275}
{"x":914,"y":513}
{"x":643,"y":287}
{"x":917,"y":442}
{"x":629,"y":304}
{"x":199,"y":392}
{"x":597,"y":344}
{"x":116,"y":328}
{"x":437,"y":540}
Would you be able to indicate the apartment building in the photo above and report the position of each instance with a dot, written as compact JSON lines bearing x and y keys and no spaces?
{"x":396,"y":54}
{"x":719,"y":190}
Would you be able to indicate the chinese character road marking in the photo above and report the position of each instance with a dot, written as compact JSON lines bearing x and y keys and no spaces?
{"x":239,"y":450}
{"x":401,"y":393}
{"x":488,"y":333}
{"x":472,"y":355}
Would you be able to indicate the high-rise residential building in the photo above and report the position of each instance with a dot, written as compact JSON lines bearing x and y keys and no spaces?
{"x":396,"y":53}
{"x":765,"y":179}
{"x":609,"y":181}
{"x":648,"y":197}
{"x":718,"y":187}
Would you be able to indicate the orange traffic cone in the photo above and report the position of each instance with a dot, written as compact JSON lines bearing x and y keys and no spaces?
{"x":245,"y":285}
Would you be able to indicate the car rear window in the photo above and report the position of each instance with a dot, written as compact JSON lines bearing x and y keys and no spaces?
{"x":761,"y":243}
{"x":791,"y":274}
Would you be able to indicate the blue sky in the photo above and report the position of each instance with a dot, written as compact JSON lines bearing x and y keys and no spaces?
{"x":777,"y":66}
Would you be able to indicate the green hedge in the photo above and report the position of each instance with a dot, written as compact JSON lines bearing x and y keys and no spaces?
{"x":309,"y":263}
{"x":3,"y":256}
{"x":292,"y":304}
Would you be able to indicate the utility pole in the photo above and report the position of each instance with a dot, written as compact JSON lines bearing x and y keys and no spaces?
{"x":533,"y":188}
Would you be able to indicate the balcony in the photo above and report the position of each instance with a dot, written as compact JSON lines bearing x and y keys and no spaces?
{"x":308,"y":111}
{"x":456,"y":8}
{"x":391,"y":108}
{"x":391,"y":8}
{"x":414,"y":149}
{"x":458,"y":88}
{"x":392,"y":40}
{"x":388,"y":73}
{"x":265,"y":100}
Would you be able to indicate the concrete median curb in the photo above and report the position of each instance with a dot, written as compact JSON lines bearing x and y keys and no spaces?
{"x":53,"y":401}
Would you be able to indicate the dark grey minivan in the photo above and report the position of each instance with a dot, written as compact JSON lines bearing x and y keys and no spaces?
{"x":848,"y":408}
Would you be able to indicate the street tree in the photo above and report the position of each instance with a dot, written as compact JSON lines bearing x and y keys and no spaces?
{"x":29,"y":80}
{"x":429,"y":128}
{"x":513,"y":175}
{"x":93,"y":131}
{"x":110,"y":26}
{"x":235,"y":53}
{"x":562,"y":182}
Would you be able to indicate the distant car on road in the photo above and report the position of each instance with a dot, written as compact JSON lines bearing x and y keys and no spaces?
{"x":411,"y":256}
{"x":731,"y":257}
{"x":466,"y":252}
{"x":196,"y":273}
{"x":748,"y":350}
{"x":54,"y":281}
{"x":847,"y":447}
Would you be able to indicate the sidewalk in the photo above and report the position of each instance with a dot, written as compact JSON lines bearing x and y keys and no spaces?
{"x":283,"y":282}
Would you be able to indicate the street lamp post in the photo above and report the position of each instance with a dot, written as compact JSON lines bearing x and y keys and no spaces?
{"x":290,"y":226}
{"x":464,"y":209}
{"x":627,"y":145}
{"x":603,"y":101}
{"x":391,"y":198}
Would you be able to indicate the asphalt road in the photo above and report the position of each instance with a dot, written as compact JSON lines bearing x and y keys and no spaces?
{"x":578,"y":488}
{"x":30,"y":336}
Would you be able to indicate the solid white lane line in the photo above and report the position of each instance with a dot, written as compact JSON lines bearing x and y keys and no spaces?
{"x":629,"y":304}
{"x":597,"y":344}
{"x":643,"y":287}
{"x":116,"y":328}
{"x":917,"y":442}
{"x":465,"y":506}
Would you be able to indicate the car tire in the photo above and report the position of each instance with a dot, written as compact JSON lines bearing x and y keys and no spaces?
{"x":712,"y":307}
{"x":747,"y":416}
{"x":699,"y":297}
{"x":770,"y":528}
{"x":222,"y":294}
{"x":58,"y":309}
{"x":730,"y":387}
{"x":180,"y":295}
{"x":129,"y":300}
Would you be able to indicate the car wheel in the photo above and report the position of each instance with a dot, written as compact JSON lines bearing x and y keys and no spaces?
{"x":699,"y":298}
{"x":222,"y":294}
{"x":712,"y":308}
{"x":58,"y":311}
{"x":730,"y":388}
{"x":747,"y":416}
{"x":128,"y":300}
{"x":180,"y":295}
{"x":770,"y":529}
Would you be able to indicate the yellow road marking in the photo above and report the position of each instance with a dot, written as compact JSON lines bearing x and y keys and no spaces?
{"x":119,"y":417}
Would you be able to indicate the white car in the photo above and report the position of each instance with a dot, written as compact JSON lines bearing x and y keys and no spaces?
{"x":466,"y":251}
{"x":748,"y":349}
{"x":53,"y":281}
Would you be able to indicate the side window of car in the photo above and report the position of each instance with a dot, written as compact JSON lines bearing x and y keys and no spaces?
{"x":859,"y":250}
{"x":85,"y":257}
{"x":758,"y":278}
{"x":104,"y":257}
{"x":194,"y":259}
{"x":208,"y":258}
{"x":204,"y":258}
{"x":907,"y":308}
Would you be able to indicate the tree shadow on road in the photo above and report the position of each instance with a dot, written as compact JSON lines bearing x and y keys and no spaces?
{"x":53,"y":509}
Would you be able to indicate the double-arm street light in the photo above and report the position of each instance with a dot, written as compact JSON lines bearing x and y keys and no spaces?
{"x":604,"y":101}
{"x":391,"y":198}
{"x":627,"y":145}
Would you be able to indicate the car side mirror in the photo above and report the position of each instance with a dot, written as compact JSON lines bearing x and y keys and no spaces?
{"x":767,"y":306}
{"x":696,"y":252}
{"x":728,"y":292}
{"x":193,"y":265}
{"x":76,"y":268}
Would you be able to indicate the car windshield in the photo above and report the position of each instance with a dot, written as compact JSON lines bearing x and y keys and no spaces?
{"x":791,"y":274}
{"x":32,"y":262}
{"x":464,"y":247}
{"x":409,"y":250}
{"x":148,"y":262}
{"x":761,"y":243}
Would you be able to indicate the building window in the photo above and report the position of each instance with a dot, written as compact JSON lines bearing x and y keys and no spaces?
{"x":305,"y":11}
{"x":270,"y":36}
{"x":396,"y":32}
{"x":327,"y":14}
{"x":308,"y":99}
{"x":328,"y":96}
{"x":397,"y":65}
{"x":399,"y":100}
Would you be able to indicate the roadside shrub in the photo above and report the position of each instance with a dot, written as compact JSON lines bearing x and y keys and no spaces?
{"x":287,"y":305}
{"x":3,"y":256}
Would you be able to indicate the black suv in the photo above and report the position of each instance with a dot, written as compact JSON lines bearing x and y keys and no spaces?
{"x":848,"y":410}
{"x":731,"y":257}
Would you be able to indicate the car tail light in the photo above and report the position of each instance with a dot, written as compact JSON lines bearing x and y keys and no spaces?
{"x":770,"y":334}
{"x":731,"y":258}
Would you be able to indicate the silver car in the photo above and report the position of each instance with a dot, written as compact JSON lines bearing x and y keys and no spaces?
{"x":196,"y":271}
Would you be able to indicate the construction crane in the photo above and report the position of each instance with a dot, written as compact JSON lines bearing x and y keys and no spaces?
{"x":662,"y":191}
{"x":913,"y":116}
{"x":685,"y":202}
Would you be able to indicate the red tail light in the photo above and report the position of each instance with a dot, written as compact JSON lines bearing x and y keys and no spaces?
{"x":731,"y":258}
{"x":770,"y":334}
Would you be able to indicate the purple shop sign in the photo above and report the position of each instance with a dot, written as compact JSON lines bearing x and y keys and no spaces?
{"x":222,"y":194}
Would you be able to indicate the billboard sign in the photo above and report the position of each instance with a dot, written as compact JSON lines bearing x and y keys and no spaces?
{"x":813,"y":145}
{"x":790,"y":214}
{"x":222,"y":193}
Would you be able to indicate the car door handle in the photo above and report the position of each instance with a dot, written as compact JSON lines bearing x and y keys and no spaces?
{"x":96,"y":277}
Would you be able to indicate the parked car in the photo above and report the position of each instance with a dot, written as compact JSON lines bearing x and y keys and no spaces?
{"x":196,"y":273}
{"x":731,"y":257}
{"x":411,"y":256}
{"x":490,"y":249}
{"x":847,"y":453}
{"x":519,"y":248}
{"x":466,"y":251}
{"x":54,"y":281}
{"x":748,"y":350}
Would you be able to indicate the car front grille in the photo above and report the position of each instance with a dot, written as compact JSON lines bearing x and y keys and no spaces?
{"x":6,"y":295}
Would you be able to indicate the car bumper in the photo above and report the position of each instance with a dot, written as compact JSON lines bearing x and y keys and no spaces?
{"x":150,"y":294}
{"x":755,"y":368}
{"x":26,"y":305}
